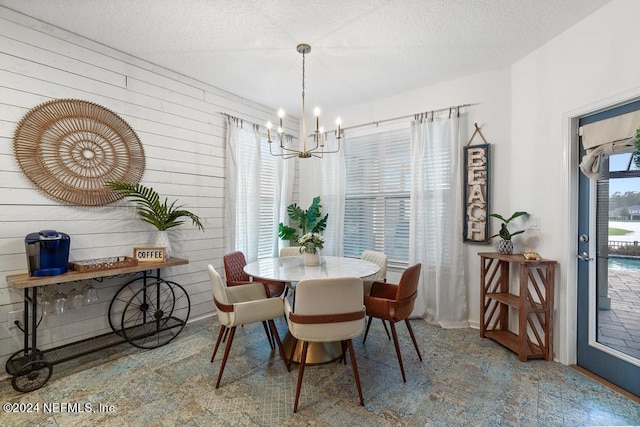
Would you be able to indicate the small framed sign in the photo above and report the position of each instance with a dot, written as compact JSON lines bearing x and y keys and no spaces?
{"x":150,"y":254}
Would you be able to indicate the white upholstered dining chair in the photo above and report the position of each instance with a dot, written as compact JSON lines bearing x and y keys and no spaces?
{"x":326,"y":310}
{"x":380,"y":259}
{"x":290,"y":251}
{"x":239,"y":305}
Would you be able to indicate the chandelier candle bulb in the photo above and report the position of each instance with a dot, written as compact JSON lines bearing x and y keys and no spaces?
{"x":281,"y":115}
{"x":316,"y":111}
{"x":269,"y":125}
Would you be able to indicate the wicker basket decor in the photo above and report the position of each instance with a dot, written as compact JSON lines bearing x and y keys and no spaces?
{"x":100,"y":264}
{"x":69,"y":148}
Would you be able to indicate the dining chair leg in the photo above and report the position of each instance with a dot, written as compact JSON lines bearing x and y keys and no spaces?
{"x":343,"y":356}
{"x":385,"y":328}
{"x":226,"y":354}
{"x":303,"y":359}
{"x":294,"y":344}
{"x":276,"y":337}
{"x":366,"y":331}
{"x":395,"y":343}
{"x":222,"y":332}
{"x":413,"y":338}
{"x":354,"y":364}
{"x":269,"y":337}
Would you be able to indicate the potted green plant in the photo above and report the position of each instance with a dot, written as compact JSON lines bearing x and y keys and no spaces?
{"x":505,"y":246}
{"x":308,"y":226}
{"x":161,"y":215}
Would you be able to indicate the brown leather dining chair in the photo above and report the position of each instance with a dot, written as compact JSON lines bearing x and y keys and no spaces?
{"x":234,"y":263}
{"x":394,"y":303}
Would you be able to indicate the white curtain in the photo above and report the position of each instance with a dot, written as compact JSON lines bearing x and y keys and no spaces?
{"x":330,"y":170}
{"x":242,"y":190}
{"x":285,"y":174}
{"x":436,"y":220}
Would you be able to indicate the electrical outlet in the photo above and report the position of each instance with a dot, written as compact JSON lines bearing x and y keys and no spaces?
{"x":534,"y":223}
{"x":13,"y":316}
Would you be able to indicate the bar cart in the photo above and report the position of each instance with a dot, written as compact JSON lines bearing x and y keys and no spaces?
{"x":147,"y":312}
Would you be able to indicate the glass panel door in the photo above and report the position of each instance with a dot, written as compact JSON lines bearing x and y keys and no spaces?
{"x":609,"y":267}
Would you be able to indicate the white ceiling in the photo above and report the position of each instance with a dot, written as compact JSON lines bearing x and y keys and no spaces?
{"x":362,"y":50}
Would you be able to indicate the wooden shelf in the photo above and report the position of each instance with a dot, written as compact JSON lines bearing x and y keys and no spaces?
{"x":512,"y":342}
{"x":533,"y":304}
{"x":509,"y":299}
{"x":22,"y":281}
{"x":514,"y":301}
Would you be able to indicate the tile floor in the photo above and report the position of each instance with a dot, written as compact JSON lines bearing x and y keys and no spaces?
{"x":463,"y":380}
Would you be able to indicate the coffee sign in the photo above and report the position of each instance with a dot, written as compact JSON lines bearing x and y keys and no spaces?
{"x":150,"y":254}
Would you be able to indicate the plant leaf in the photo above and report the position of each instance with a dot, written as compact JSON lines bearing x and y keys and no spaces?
{"x":516,"y":215}
{"x":498,"y":216}
{"x":150,"y":210}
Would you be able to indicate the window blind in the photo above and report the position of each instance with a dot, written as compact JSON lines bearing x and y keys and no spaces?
{"x":267,"y":201}
{"x":377,"y":194}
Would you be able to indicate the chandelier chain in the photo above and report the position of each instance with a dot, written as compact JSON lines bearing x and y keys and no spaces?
{"x":303,"y":62}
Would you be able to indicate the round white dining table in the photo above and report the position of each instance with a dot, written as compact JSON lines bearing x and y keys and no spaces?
{"x":292,"y":269}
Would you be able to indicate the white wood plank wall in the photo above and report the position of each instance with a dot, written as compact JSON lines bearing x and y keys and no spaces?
{"x":178,"y":121}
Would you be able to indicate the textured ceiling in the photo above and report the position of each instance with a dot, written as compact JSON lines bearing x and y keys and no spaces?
{"x":362,"y":50}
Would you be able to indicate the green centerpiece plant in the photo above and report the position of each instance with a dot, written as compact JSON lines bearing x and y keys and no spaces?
{"x":306,"y":228}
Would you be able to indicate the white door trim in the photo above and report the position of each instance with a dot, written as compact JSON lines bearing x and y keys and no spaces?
{"x":568,"y":311}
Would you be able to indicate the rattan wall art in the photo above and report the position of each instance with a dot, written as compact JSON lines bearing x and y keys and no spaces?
{"x":69,"y":148}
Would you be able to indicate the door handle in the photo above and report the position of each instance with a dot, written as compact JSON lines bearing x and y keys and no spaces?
{"x":584,"y":256}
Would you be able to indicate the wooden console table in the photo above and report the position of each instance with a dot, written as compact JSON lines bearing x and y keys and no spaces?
{"x":148,"y":311}
{"x":533,"y":304}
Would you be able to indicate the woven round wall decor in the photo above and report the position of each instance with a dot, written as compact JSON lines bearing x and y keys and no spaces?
{"x":70,"y":148}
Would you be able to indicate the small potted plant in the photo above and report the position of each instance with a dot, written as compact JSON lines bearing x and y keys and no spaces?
{"x":505,"y":246}
{"x":161,"y":215}
{"x":310,"y":244}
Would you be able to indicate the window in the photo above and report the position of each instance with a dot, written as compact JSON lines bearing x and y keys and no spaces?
{"x":377,"y":194}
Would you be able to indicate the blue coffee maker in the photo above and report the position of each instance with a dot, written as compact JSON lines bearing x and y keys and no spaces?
{"x":47,"y":252}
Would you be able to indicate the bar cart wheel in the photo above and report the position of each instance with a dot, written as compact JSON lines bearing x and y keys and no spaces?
{"x":155,"y":314}
{"x":9,"y":367}
{"x":32,"y":375}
